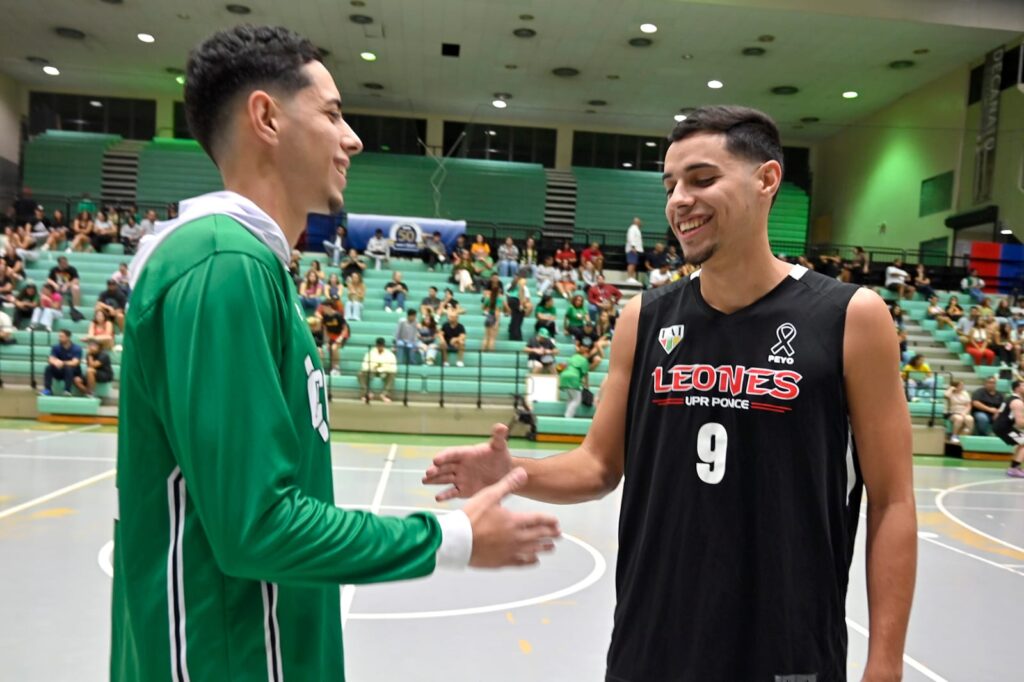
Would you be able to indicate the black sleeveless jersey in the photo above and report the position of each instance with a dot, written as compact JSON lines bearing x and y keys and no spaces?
{"x":742,"y":489}
{"x":1003,"y":424}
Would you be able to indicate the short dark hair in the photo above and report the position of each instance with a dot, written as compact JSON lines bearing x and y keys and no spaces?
{"x":64,"y":332}
{"x":749,"y":133}
{"x":380,"y":341}
{"x":1015,"y":384}
{"x":235,"y":61}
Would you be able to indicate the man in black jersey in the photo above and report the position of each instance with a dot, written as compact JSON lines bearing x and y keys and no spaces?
{"x":1009,"y":426}
{"x":748,"y":406}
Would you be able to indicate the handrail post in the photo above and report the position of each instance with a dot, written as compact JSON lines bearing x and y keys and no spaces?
{"x":32,"y":358}
{"x":444,"y":361}
{"x":405,"y":396}
{"x":479,"y":377}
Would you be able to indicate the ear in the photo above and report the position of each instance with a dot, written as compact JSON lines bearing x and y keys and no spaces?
{"x":263,"y":116}
{"x":770,"y":177}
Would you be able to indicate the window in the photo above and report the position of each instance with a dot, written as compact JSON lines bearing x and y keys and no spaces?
{"x":181,"y":130}
{"x":501,"y":143}
{"x":626,"y":152}
{"x":389,"y":134}
{"x":130,"y":118}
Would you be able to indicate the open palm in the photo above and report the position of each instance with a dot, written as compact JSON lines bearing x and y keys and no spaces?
{"x":470,"y":468}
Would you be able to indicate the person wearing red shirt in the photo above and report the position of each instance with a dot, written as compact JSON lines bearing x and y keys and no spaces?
{"x":603,"y":297}
{"x":565,"y":257}
{"x":593,"y":254}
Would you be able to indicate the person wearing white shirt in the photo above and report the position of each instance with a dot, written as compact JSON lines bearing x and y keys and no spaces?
{"x":661,"y":276}
{"x":896,"y":280}
{"x":546,"y":276}
{"x":378,"y":248}
{"x":336,"y":248}
{"x":379,"y":361}
{"x":973,"y":286}
{"x":634,"y":250}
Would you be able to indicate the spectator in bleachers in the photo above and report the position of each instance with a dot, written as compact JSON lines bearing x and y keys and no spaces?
{"x":508,"y":258}
{"x":519,"y":305}
{"x":378,"y":248}
{"x":337,"y":247}
{"x":64,"y":278}
{"x":576,"y":315}
{"x":98,"y":369}
{"x":427,"y":334}
{"x":123,"y":278}
{"x":588,"y":275}
{"x":494,"y":306}
{"x":131,"y":233}
{"x":859,"y":266}
{"x":6,"y":329}
{"x":433,"y":251}
{"x":494,"y":283}
{"x":336,"y":332}
{"x":634,"y":251}
{"x":1003,"y":313}
{"x":25,"y":305}
{"x":430,"y":302}
{"x":985,"y":404}
{"x":148,"y":223}
{"x":958,"y":406}
{"x":541,"y":352}
{"x":7,"y":285}
{"x":101,"y":330}
{"x":566,"y":284}
{"x":314,"y":266}
{"x":1008,"y":341}
{"x":805,"y":262}
{"x":985,"y":308}
{"x":546,"y":275}
{"x":9,"y":217}
{"x":829,"y":266}
{"x":596,"y":343}
{"x":407,"y":339}
{"x":381,"y":363}
{"x":462,"y":271}
{"x":311,"y":292}
{"x":953,"y":310}
{"x":453,"y":337}
{"x":334,"y":288}
{"x":352,"y":264}
{"x":295,"y":267}
{"x":656,"y":258}
{"x":104,"y":232}
{"x":15,"y":265}
{"x":660,"y":277}
{"x":49,"y":308}
{"x":395,"y":292}
{"x":936,"y":312}
{"x":675,"y":261}
{"x":57,"y":239}
{"x":480,"y":248}
{"x":482,"y":270}
{"x":565,"y":257}
{"x":529,"y":258}
{"x":172,"y":211}
{"x":605,"y":324}
{"x":922,"y":282}
{"x":897,"y":316}
{"x":459,"y":246}
{"x":546,"y":315}
{"x":65,"y":363}
{"x":82,"y":229}
{"x":966,"y":324}
{"x":973,"y":286}
{"x":919,"y":378}
{"x":573,"y":379}
{"x":978,"y":341}
{"x":112,"y":301}
{"x":38,"y":229}
{"x":897,"y":280}
{"x":593,"y":254}
{"x":449,"y":304}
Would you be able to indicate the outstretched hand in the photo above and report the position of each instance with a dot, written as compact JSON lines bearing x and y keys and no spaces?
{"x":469,"y":469}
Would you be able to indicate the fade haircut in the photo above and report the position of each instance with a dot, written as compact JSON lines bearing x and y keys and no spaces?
{"x":237,"y":61}
{"x":749,"y":134}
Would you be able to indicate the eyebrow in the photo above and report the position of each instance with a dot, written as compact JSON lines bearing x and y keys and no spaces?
{"x":692,"y":167}
{"x":334,"y":102}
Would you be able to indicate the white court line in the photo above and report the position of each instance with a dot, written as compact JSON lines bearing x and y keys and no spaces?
{"x":942,"y":508}
{"x":1005,"y":567}
{"x":56,"y":493}
{"x":51,"y":436}
{"x":909,"y":660}
{"x":349,"y":591}
{"x":61,"y":458}
{"x":376,"y":469}
{"x":986,"y":492}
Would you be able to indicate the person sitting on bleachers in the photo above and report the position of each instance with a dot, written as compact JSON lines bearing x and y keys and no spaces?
{"x":1005,"y":343}
{"x":381,"y":363}
{"x":352,"y":264}
{"x":656,"y":258}
{"x":433,"y":251}
{"x":123,"y":278}
{"x":480,"y":248}
{"x":546,"y":275}
{"x":148,"y":223}
{"x":7,"y":284}
{"x":588,"y":275}
{"x":101,"y":330}
{"x":430,"y":301}
{"x":985,"y":308}
{"x":333,"y":288}
{"x":131,"y":233}
{"x":57,"y":238}
{"x":395,"y":292}
{"x":566,"y":284}
{"x":573,"y":379}
{"x":337,"y":247}
{"x":953,"y":310}
{"x":576,"y":315}
{"x":25,"y":305}
{"x":65,"y":363}
{"x":597,"y":344}
{"x":919,"y":379}
{"x":98,"y":369}
{"x":482,"y":269}
{"x":528,"y":257}
{"x":378,"y":248}
{"x":603,"y":297}
{"x":936,"y":312}
{"x":977,"y":345}
{"x":335,"y":329}
{"x":661,"y":276}
{"x":546,"y":315}
{"x":112,"y":301}
{"x":81,"y":228}
{"x":407,"y":339}
{"x":311,"y":292}
{"x":922,"y":282}
{"x":459,"y":246}
{"x":462,"y":271}
{"x":104,"y":232}
{"x":1003,"y":313}
{"x":14,"y":262}
{"x":6,"y":329}
{"x":985,"y":404}
{"x":966,"y":324}
{"x":897,"y":280}
{"x":426,"y":332}
{"x":973,"y":286}
{"x":672,"y":257}
{"x":38,"y":229}
{"x":449,"y":304}
{"x":592,"y":254}
{"x":453,"y":337}
{"x":314,"y":266}
{"x":49,"y":308}
{"x":508,"y":258}
{"x":958,"y":407}
{"x":295,"y":267}
{"x":565,"y":257}
{"x":64,"y":278}
{"x":541,"y":351}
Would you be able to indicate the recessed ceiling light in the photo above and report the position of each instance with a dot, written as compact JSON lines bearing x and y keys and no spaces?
{"x":753,"y":51}
{"x":373,"y":86}
{"x":492,"y":133}
{"x":809,"y":119}
{"x":598,"y":103}
{"x":650,"y":144}
{"x":511,"y":67}
{"x":565,"y":71}
{"x":851,"y":94}
{"x":627,"y":164}
{"x":71,"y":33}
{"x":524,"y":33}
{"x":922,"y":50}
{"x":612,"y":76}
{"x":95,"y":103}
{"x":526,"y":17}
{"x":785,"y":90}
{"x":766,"y":38}
{"x":687,"y":56}
{"x":901,"y":64}
{"x":38,"y":61}
{"x":360,"y":19}
{"x":499,"y":104}
{"x":679,"y":118}
{"x":648,"y":28}
{"x":146,"y":38}
{"x":368,"y":56}
{"x":641,"y":42}
{"x":715,"y":85}
{"x":51,"y":70}
{"x":180,"y":80}
{"x":237,"y":9}
{"x":1005,"y":231}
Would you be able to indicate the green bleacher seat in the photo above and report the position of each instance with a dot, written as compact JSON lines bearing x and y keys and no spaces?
{"x":562,"y":426}
{"x":66,"y":163}
{"x":172,"y":169}
{"x":990,"y":444}
{"x":89,"y":407}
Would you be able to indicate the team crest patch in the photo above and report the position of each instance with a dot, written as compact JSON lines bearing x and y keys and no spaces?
{"x":670,"y":337}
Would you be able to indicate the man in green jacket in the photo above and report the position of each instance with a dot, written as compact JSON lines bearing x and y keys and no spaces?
{"x":229,"y":548}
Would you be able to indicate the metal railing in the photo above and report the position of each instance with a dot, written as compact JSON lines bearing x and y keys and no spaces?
{"x":937,"y":392}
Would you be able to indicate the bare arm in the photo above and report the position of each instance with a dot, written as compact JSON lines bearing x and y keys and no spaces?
{"x":881,"y":429}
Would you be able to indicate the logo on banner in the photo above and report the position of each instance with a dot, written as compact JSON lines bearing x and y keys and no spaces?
{"x":405,"y":237}
{"x":782,"y":352}
{"x":670,"y":337}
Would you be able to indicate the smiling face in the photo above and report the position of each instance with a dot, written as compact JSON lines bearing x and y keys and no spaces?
{"x":315,"y":143}
{"x":716,"y":200}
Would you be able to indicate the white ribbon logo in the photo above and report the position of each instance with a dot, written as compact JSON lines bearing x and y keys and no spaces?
{"x":786,"y":333}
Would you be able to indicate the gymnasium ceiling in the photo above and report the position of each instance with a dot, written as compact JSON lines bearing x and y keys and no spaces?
{"x":822,"y":47}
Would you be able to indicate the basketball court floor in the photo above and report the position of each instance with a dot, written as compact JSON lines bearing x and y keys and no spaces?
{"x":551,"y":622}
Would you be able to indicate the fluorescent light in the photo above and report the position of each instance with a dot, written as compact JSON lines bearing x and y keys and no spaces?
{"x":651,"y":144}
{"x":146,"y":38}
{"x":679,"y":118}
{"x":368,"y":56}
{"x":1005,"y":231}
{"x":627,"y":164}
{"x":499,"y":104}
{"x":180,"y":80}
{"x":851,"y":94}
{"x":492,"y":133}
{"x":51,"y":70}
{"x":648,"y":28}
{"x":715,"y":85}
{"x":96,"y":103}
